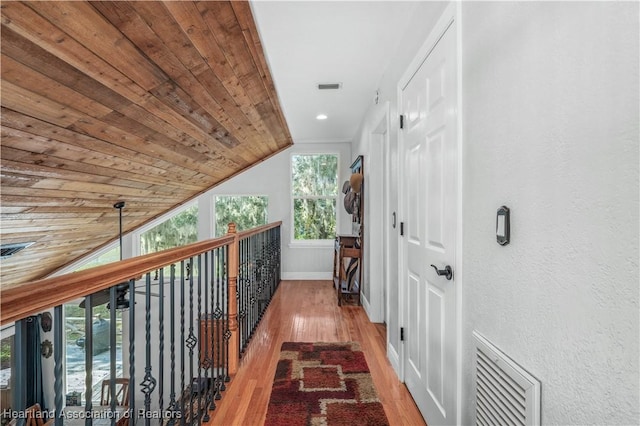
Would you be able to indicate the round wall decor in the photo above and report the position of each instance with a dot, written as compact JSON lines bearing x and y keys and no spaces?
{"x":46,"y":321}
{"x":46,"y":348}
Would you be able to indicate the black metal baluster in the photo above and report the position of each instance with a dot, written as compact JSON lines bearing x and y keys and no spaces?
{"x":161,"y":337}
{"x":255,"y":267}
{"x":257,"y":277}
{"x":260,"y":263}
{"x":191,"y":340}
{"x":88,"y":356}
{"x":172,"y":337}
{"x":252,"y":281}
{"x":276,"y":260}
{"x":182,"y":384}
{"x":219,"y":320}
{"x":200,"y":345}
{"x":112,"y":352}
{"x":132,"y":350}
{"x":276,"y":265}
{"x":251,"y":270}
{"x":214,"y":274}
{"x":58,"y":324}
{"x":205,"y":339}
{"x":149,"y":382}
{"x":256,"y":280}
{"x":272,"y":262}
{"x":225,"y":314}
{"x":240,"y":293}
{"x":264,"y":274}
{"x":246,"y":282}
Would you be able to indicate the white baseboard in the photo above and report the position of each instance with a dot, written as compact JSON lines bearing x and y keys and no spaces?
{"x":306,"y":275}
{"x":394,"y":359}
{"x":366,"y":305}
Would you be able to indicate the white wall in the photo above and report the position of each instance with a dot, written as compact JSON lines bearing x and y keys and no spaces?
{"x":550,"y":129}
{"x":273,"y":179}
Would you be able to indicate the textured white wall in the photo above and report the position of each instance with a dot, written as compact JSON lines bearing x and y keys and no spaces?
{"x":550,"y":126}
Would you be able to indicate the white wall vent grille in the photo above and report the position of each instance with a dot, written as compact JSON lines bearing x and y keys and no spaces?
{"x":8,"y":250}
{"x":505,"y":393}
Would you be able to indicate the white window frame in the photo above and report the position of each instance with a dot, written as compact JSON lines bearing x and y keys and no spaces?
{"x":312,"y":243}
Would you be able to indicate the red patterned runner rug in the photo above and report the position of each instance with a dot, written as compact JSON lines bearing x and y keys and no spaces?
{"x":323,"y":384}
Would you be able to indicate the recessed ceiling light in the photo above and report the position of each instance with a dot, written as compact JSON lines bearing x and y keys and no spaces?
{"x":321,"y":117}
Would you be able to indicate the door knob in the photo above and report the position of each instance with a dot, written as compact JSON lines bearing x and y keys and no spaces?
{"x":447,"y":271}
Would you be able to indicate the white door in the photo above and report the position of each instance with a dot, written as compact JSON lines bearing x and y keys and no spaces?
{"x":429,"y":106}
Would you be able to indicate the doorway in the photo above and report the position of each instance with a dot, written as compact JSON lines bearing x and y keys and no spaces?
{"x":379,"y":247}
{"x":428,"y":102}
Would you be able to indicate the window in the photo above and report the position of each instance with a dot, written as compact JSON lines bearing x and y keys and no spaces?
{"x":179,"y":230}
{"x":245,"y":211}
{"x":314,"y":183}
{"x":112,"y":255}
{"x":74,"y":335}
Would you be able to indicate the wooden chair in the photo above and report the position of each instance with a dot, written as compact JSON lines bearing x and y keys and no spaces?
{"x":122,"y":421}
{"x":349,"y":285}
{"x":34,"y":419}
{"x":122,"y":392}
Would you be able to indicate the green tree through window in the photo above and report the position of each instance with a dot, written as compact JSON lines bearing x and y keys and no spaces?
{"x":180,"y":230}
{"x":112,"y":255}
{"x":314,"y":182}
{"x":245,"y":211}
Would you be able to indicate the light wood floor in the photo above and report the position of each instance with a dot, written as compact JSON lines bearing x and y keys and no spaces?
{"x":307,"y":311}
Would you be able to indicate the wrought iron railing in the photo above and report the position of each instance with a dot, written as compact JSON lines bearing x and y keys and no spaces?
{"x":185,"y":336}
{"x":258,"y":278}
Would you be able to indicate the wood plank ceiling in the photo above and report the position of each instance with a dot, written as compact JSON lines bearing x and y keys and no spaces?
{"x":148,"y":102}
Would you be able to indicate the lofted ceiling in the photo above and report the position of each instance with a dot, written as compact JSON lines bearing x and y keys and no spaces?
{"x":148,"y":102}
{"x":155,"y":102}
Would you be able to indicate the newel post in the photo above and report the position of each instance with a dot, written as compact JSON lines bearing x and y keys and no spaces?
{"x":234,"y":342}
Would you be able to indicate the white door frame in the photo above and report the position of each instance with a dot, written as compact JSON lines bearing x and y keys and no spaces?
{"x":452,"y":13}
{"x":378,"y":179}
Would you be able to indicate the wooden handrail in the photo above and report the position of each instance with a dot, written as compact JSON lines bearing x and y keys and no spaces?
{"x":20,"y":301}
{"x":257,"y":230}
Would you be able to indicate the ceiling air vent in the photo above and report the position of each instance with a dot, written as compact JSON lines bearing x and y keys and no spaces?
{"x":329,"y":86}
{"x":7,"y":250}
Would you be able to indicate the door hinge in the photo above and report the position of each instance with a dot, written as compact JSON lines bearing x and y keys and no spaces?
{"x":402,"y":334}
{"x":401,"y":121}
{"x":401,"y":229}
